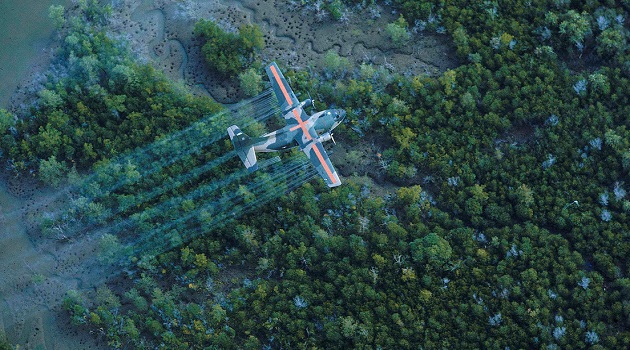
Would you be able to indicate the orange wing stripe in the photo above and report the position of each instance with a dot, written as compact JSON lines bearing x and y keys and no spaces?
{"x":279,"y":81}
{"x":301,"y":124}
{"x":321,"y":160}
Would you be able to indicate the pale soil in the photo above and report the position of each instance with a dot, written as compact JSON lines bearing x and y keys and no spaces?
{"x":25,"y":35}
{"x":162,"y":32}
{"x":36,"y":272}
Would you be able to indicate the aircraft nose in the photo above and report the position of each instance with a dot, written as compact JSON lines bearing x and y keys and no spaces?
{"x":341,"y":114}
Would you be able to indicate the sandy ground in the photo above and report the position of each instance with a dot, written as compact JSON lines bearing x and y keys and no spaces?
{"x":162,"y":32}
{"x":36,"y":272}
{"x":25,"y":34}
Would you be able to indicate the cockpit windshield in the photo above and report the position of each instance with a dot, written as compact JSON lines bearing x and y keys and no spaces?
{"x":340,"y":114}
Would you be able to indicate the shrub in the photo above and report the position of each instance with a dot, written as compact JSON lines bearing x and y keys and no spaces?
{"x":398,"y":31}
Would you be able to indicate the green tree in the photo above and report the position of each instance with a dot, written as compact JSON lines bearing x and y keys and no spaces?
{"x":228,"y":53}
{"x":50,"y":98}
{"x":398,"y":31}
{"x":56,"y":13}
{"x":105,"y":297}
{"x":251,"y":39}
{"x":599,"y":83}
{"x":575,"y":26}
{"x":7,"y":120}
{"x":110,"y":248}
{"x":52,"y":172}
{"x":524,"y":201}
{"x":460,"y":38}
{"x":611,"y":42}
{"x":250,"y":82}
{"x":448,"y":80}
{"x":335,"y":65}
{"x":137,"y":299}
{"x":431,"y":249}
{"x":130,"y":329}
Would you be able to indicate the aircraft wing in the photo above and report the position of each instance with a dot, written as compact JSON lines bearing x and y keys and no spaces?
{"x":297,"y":119}
{"x":310,"y":144}
{"x":318,"y":157}
{"x":283,"y":91}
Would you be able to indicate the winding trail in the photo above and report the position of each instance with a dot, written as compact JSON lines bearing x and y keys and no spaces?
{"x":162,"y":32}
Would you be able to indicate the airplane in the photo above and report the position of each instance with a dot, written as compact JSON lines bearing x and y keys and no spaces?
{"x":300,"y":128}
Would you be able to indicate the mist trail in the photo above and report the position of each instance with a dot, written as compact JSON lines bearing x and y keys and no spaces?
{"x":126,"y":215}
{"x":133,"y":167}
{"x":217,"y":198}
{"x":199,"y":193}
{"x":171,"y":148}
{"x":220,"y":207}
{"x":55,"y":267}
{"x":223,"y":205}
{"x":264,"y":107}
{"x":170,"y":184}
{"x":77,"y":263}
{"x":194,"y":138}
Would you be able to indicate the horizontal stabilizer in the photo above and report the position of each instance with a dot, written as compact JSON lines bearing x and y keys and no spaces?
{"x":244,"y":148}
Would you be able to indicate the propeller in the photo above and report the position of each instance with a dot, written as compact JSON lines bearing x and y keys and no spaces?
{"x":332,"y":138}
{"x":312,"y":101}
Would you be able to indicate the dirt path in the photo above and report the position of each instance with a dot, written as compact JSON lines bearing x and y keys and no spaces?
{"x":35,"y":277}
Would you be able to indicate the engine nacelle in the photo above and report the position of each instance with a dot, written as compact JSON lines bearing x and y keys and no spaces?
{"x":307,"y":102}
{"x":325,"y":137}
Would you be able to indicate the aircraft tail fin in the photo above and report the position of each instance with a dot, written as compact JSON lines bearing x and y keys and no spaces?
{"x":243,"y":147}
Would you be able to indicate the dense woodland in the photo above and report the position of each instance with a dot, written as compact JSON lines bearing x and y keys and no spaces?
{"x":228,"y":53}
{"x":509,"y":227}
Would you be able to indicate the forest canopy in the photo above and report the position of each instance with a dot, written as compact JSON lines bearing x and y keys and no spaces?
{"x":229,"y":53}
{"x":508,"y":224}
